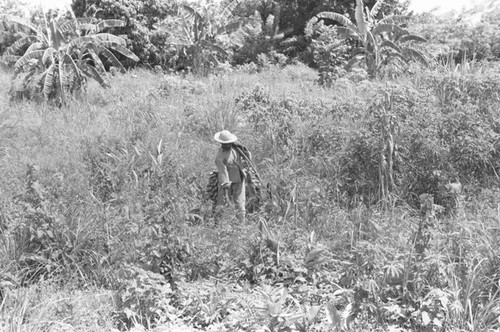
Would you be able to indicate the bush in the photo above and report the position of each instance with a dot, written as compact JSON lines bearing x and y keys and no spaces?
{"x":47,"y":241}
{"x":254,"y":43}
{"x":330,"y":53}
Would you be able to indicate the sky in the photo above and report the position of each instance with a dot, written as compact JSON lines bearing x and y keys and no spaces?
{"x":50,"y":3}
{"x":419,"y":6}
{"x":416,"y":5}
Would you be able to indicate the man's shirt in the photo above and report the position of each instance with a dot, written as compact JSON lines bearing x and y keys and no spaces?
{"x":228,"y":164}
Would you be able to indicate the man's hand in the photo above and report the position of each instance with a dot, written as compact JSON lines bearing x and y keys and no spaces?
{"x":226,"y":185}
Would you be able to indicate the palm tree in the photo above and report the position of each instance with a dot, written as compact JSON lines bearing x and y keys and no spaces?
{"x":377,"y":39}
{"x":63,"y":53}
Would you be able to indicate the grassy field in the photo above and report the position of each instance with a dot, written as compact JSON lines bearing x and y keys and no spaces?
{"x":105,"y":225}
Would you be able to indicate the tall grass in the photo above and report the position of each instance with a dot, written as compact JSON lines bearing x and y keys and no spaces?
{"x":116,"y":180}
{"x":49,"y":307}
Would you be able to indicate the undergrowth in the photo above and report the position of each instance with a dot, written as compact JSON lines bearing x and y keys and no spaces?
{"x":104,"y":223}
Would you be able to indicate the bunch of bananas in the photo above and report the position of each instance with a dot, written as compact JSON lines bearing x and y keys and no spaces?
{"x":212,"y":186}
{"x":253,"y":188}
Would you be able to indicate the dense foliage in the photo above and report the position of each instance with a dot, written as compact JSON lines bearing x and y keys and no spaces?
{"x":472,"y":34}
{"x":288,"y":21}
{"x":141,"y":18}
{"x":200,"y":32}
{"x":380,"y":208}
{"x":8,"y":33}
{"x":112,"y":195}
{"x":294,"y":15}
{"x":379,"y":42}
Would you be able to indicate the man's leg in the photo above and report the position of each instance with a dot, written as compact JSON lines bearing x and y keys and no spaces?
{"x":239,"y":199}
{"x":221,"y":202}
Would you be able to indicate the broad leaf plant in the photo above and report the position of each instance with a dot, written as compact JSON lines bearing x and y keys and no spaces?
{"x":62,"y":53}
{"x":202,"y":32}
{"x":378,"y":41}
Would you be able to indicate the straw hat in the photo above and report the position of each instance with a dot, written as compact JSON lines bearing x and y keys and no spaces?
{"x":225,"y":137}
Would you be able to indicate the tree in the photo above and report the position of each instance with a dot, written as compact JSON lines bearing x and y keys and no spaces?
{"x":8,"y":33}
{"x":472,"y":34}
{"x":294,"y":16}
{"x":141,"y":18}
{"x":399,"y":49}
{"x":62,"y":53}
{"x":12,"y":7}
{"x":377,"y":39}
{"x":200,"y":32}
{"x":262,"y":37}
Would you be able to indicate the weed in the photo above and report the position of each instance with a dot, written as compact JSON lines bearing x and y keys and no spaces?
{"x":142,"y":297}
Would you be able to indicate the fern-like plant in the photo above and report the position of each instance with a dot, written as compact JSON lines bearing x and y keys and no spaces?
{"x":378,"y":40}
{"x":62,"y":53}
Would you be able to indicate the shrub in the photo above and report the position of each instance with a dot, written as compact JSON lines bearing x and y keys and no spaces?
{"x":143,"y":297}
{"x":48,"y":242}
{"x":467,"y":125}
{"x":329,"y":53}
{"x":254,"y":43}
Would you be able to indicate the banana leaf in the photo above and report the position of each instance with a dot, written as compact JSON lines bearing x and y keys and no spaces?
{"x":338,"y":18}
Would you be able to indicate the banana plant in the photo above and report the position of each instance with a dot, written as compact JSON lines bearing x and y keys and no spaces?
{"x":399,"y":47}
{"x":272,"y":31}
{"x":377,"y":39}
{"x":202,"y":29}
{"x":61,"y":54}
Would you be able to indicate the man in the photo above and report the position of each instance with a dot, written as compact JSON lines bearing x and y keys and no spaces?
{"x":231,"y":167}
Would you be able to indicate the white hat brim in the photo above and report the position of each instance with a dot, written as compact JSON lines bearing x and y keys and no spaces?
{"x":231,"y":140}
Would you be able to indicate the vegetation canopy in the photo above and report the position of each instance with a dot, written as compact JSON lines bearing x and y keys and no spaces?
{"x":379,"y":40}
{"x":202,"y":31}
